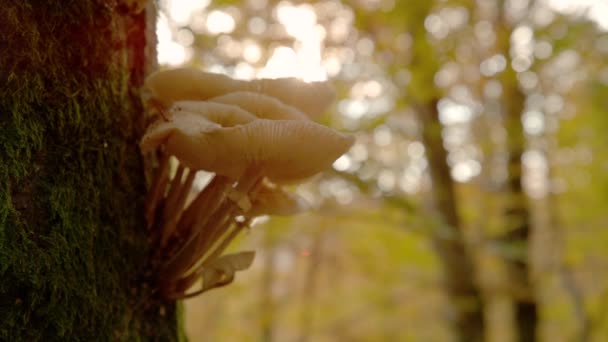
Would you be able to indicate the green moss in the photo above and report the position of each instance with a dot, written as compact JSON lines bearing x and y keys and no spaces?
{"x":73,"y":248}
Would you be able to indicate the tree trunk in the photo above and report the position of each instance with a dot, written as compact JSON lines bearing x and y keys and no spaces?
{"x":518,"y":230}
{"x":518,"y":220}
{"x":464,"y":295}
{"x":73,"y":245}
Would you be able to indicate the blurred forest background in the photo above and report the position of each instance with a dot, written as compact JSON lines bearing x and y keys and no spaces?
{"x":473,"y":202}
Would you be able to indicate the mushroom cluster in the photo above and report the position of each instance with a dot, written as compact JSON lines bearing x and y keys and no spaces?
{"x":255,"y":137}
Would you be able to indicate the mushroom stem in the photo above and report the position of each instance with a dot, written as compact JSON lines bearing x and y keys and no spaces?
{"x":174,"y":190}
{"x":156,"y":192}
{"x":209,"y":233}
{"x":248,"y":184}
{"x":189,"y":280}
{"x":208,"y":229}
{"x":221,"y":247}
{"x":192,"y":222}
{"x":199,"y":209}
{"x":175,"y":208}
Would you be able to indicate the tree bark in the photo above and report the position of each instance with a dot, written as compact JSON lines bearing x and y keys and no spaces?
{"x":73,"y":245}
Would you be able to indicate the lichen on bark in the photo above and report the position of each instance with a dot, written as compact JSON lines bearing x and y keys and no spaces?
{"x":73,"y":245}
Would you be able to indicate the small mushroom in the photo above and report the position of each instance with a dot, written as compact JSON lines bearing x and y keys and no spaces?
{"x":169,"y":86}
{"x":187,"y":123}
{"x":173,"y":85}
{"x":262,"y":106}
{"x":225,"y":115}
{"x":312,"y":98}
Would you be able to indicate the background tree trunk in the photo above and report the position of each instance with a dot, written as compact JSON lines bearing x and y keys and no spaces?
{"x":465,"y":299}
{"x":518,"y":220}
{"x":464,"y":295}
{"x":518,"y":230}
{"x":73,"y":247}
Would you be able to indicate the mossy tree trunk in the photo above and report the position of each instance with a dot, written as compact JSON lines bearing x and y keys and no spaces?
{"x":73,"y":245}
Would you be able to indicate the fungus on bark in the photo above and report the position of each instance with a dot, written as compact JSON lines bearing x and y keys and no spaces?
{"x":180,"y":84}
{"x":251,"y":142}
{"x":262,"y":106}
{"x":283,"y":150}
{"x":225,"y":115}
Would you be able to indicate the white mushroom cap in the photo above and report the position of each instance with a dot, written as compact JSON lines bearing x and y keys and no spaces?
{"x":187,"y":123}
{"x":312,"y":98}
{"x":286,"y":150}
{"x":283,"y":150}
{"x":169,"y":86}
{"x":173,"y":85}
{"x":262,"y":106}
{"x":225,"y":115}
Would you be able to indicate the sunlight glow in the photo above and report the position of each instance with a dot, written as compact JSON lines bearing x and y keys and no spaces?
{"x":181,"y":11}
{"x":415,"y":150}
{"x":596,"y":10}
{"x":534,"y":122}
{"x":535,"y":180}
{"x":493,"y":65}
{"x":298,"y":20}
{"x":359,"y":152}
{"x":386,"y":180}
{"x":464,"y":171}
{"x":383,"y":135}
{"x":409,"y":181}
{"x":220,"y":22}
{"x":304,"y":60}
{"x":169,"y":51}
{"x":252,"y":52}
{"x":451,"y":113}
{"x":343,"y":163}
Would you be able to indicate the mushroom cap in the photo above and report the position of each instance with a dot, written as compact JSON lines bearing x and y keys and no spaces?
{"x":262,"y":106}
{"x":312,"y":98}
{"x":192,"y":117}
{"x":226,"y":115}
{"x":283,"y":150}
{"x":274,"y":200}
{"x":172,"y":85}
{"x":187,"y":123}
